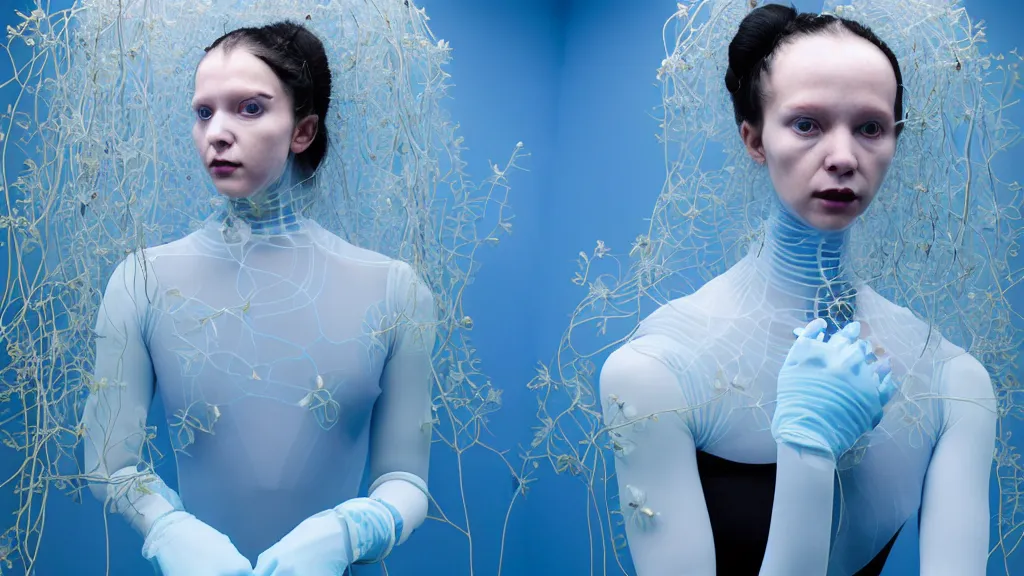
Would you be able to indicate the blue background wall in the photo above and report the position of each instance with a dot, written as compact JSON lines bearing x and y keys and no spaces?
{"x":575,"y":81}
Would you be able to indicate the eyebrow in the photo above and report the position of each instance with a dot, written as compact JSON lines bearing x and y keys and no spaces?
{"x":868,"y":110}
{"x":262,"y":95}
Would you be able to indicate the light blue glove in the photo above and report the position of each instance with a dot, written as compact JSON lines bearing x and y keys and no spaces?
{"x":829,"y":392}
{"x":325,"y":544}
{"x":178,"y":544}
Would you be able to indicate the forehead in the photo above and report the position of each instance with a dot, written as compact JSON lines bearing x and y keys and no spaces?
{"x":234,"y":70}
{"x":832,"y":69}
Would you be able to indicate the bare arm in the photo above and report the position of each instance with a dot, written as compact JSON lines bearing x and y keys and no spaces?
{"x":955,"y":503}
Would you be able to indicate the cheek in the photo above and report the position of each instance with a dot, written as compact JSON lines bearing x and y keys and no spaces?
{"x":279,"y":124}
{"x":883,"y":161}
{"x":783,"y":149}
{"x":276,"y":136}
{"x":789,"y":165}
{"x":197,"y":137}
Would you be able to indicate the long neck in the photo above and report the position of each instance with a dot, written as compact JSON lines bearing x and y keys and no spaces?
{"x":274,"y":210}
{"x":807,"y":267}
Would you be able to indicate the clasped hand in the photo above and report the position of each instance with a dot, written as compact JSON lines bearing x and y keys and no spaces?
{"x":181,"y":545}
{"x":318,"y":546}
{"x":830,"y":392}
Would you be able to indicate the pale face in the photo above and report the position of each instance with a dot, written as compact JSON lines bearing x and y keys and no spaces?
{"x":245,"y":127}
{"x":828,"y":135}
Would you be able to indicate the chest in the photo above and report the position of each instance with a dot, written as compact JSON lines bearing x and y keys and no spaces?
{"x":292,"y":334}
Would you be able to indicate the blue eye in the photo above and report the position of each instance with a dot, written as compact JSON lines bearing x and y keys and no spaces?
{"x":804,"y":125}
{"x":251,"y":108}
{"x":204,"y":113}
{"x":875,"y":129}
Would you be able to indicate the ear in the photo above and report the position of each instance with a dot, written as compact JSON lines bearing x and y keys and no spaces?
{"x":752,"y":140}
{"x":304,"y":133}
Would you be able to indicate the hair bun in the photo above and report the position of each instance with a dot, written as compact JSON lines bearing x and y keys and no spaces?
{"x":732,"y":81}
{"x":758,"y":35}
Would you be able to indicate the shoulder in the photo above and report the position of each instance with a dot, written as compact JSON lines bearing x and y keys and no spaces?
{"x":681,"y":333}
{"x":634,"y":361}
{"x":874,"y":305}
{"x":188,"y":244}
{"x":682,"y":319}
{"x":362,"y":255}
{"x":964,"y":377}
{"x":130,"y":274}
{"x":343,"y":249}
{"x":137,"y":272}
{"x":956,"y":369}
{"x":904,"y":335}
{"x":399,"y":273}
{"x":405,"y":282}
{"x":407,"y":295}
{"x":635,"y":383}
{"x":648,"y":370}
{"x":967,"y":398}
{"x":969,"y":418}
{"x":671,"y":344}
{"x":715,"y":302}
{"x":402,"y":285}
{"x":140,"y":261}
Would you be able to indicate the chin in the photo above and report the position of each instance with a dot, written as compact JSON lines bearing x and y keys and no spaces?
{"x":233,"y":192}
{"x":829,"y":222}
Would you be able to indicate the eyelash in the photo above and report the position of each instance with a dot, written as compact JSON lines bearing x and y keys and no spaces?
{"x":876,"y":135}
{"x":247,"y":103}
{"x":242,"y":107}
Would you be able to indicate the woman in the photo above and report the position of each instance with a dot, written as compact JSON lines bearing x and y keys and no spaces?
{"x":782,"y":460}
{"x":294,"y":353}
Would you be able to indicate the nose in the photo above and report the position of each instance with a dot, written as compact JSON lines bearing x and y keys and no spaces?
{"x":218,"y":133}
{"x":841,"y":158}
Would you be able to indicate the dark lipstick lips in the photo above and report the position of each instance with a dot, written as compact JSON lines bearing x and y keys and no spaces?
{"x":836,"y":195}
{"x":217,"y":163}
